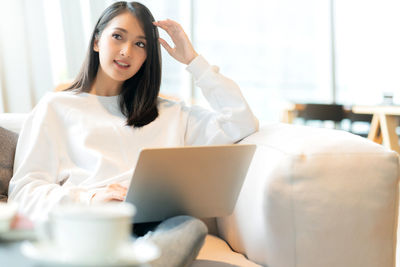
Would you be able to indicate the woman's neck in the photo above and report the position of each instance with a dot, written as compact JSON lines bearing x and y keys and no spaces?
{"x":95,"y":90}
{"x":104,"y":86}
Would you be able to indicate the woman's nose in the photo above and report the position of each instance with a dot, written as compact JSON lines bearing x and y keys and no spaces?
{"x":126,"y":51}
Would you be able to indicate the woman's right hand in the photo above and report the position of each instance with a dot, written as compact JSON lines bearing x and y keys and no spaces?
{"x":183,"y":50}
{"x":113,"y":192}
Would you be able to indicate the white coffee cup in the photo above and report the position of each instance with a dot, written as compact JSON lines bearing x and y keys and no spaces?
{"x":93,"y":232}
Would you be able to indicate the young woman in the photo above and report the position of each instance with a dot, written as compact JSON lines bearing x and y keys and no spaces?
{"x":80,"y":145}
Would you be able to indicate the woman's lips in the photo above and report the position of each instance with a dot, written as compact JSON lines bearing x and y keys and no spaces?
{"x":121,"y":64}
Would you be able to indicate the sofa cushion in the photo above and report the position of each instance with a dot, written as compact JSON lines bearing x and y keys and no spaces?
{"x":8,"y":142}
{"x":216,"y":253}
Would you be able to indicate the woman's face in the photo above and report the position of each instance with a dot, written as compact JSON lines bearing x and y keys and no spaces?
{"x":121,"y":47}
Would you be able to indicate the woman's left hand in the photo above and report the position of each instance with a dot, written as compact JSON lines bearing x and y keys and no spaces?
{"x":183,"y":50}
{"x":113,"y":192}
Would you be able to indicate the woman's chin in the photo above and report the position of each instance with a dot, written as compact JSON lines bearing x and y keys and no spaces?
{"x":120,"y":78}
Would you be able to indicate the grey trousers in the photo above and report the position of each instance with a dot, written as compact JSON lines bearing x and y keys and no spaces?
{"x":179,"y":239}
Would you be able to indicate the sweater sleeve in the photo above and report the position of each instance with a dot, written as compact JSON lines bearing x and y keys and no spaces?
{"x":35,"y":185}
{"x":230,"y":119}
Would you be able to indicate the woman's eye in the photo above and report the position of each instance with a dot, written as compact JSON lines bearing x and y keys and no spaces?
{"x":141,"y":44}
{"x":117,"y":36}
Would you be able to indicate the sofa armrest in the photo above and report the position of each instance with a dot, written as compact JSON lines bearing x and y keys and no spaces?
{"x":316,"y":197}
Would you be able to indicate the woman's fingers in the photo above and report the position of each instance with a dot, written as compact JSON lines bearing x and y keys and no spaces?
{"x":113,"y":192}
{"x":173,"y":29}
{"x":183,"y":50}
{"x":166,"y":45}
{"x":117,"y":187}
{"x":100,"y":197}
{"x":116,"y":196}
{"x":168,"y":25}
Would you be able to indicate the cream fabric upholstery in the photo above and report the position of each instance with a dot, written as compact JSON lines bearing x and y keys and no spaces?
{"x":316,"y":197}
{"x":216,"y":252}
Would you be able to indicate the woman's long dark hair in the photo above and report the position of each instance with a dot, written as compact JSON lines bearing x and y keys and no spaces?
{"x":139,"y":94}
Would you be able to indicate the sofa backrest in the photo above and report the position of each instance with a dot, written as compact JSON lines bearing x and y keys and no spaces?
{"x":12,"y":121}
{"x":10,"y":125}
{"x":8,"y":142}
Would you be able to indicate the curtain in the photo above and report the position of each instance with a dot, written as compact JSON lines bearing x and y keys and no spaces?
{"x":42,"y":44}
{"x":24,"y":61}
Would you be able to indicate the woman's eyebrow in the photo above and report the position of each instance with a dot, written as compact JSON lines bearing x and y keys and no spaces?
{"x":120,"y":29}
{"x":125,"y":31}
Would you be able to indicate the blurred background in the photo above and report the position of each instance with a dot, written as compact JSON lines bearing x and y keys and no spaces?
{"x":278,"y":51}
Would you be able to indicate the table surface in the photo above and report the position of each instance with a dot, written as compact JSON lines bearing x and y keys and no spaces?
{"x":11,"y":255}
{"x":388,"y":110}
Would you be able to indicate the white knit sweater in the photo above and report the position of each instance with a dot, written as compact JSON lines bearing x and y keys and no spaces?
{"x":72,"y":144}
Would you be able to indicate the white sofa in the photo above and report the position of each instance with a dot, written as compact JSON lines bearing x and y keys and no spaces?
{"x":312,"y":198}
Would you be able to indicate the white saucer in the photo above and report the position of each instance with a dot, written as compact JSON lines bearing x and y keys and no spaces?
{"x":134,"y":253}
{"x":7,"y":213}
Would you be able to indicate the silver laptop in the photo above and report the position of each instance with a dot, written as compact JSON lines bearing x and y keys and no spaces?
{"x":202,"y":181}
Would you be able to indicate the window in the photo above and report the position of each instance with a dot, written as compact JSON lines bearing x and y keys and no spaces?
{"x":368,"y":50}
{"x":276,"y":50}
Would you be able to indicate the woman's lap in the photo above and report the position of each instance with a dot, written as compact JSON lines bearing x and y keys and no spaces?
{"x":179,"y":238}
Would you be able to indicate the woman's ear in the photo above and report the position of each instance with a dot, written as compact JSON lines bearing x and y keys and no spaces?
{"x":95,"y":45}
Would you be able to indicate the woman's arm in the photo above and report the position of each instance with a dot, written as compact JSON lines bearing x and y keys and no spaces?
{"x":231,"y":118}
{"x":36,"y":184}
